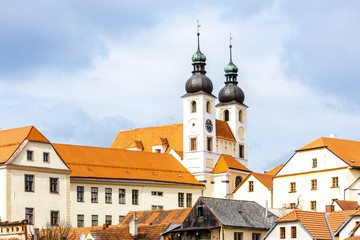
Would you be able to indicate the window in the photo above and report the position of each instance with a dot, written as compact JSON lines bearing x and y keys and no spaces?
{"x":237,"y":181}
{"x":192,"y":144}
{"x":314,"y":162}
{"x":241,"y":151}
{"x":121,"y":218}
{"x":29,"y":215}
{"x":313,"y":205}
{"x":80,"y":221}
{"x":238,"y":236}
{"x":158,"y":150}
{"x":122,"y":196}
{"x":181,"y":199}
{"x":46,"y":157}
{"x":293,"y":232}
{"x":108,"y":219}
{"x":135,"y":197}
{"x":335,"y":182}
{"x":54,"y":218}
{"x":256,"y":236}
{"x":94,"y":220}
{"x":292,"y":187}
{"x":94,"y":194}
{"x":200,"y":211}
{"x":241,"y":116}
{"x":29,"y":155}
{"x":226,"y":115}
{"x":80,"y":193}
{"x":313,"y":184}
{"x":292,"y":206}
{"x":54,"y":185}
{"x":251,"y":186}
{"x":154,"y":193}
{"x":188,"y":200}
{"x":29,"y":183}
{"x":156,"y":207}
{"x":282,"y":232}
{"x":108,"y":195}
{"x":193,"y":107}
{"x":208,"y":107}
{"x":209,"y":144}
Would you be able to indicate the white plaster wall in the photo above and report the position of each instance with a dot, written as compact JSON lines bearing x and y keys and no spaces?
{"x":300,"y":232}
{"x":220,"y":186}
{"x":261,"y":194}
{"x":169,"y":200}
{"x":2,"y":194}
{"x":247,"y":233}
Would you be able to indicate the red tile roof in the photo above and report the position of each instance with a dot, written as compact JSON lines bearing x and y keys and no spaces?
{"x":108,"y":163}
{"x":223,"y":131}
{"x":275,"y":170}
{"x":347,"y":205}
{"x":227,"y":162}
{"x":347,"y":150}
{"x":336,"y":218}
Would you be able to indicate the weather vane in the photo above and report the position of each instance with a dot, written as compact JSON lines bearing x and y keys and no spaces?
{"x":230,"y":40}
{"x":198,"y":28}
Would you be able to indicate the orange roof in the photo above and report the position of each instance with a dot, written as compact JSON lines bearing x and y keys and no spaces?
{"x":353,"y":238}
{"x":347,"y":205}
{"x":227,"y":162}
{"x":109,"y":163}
{"x":223,"y":131}
{"x":151,"y":136}
{"x":153,"y":217}
{"x":136,"y":144}
{"x":265,"y":179}
{"x":314,"y":222}
{"x":335,"y":219}
{"x":347,"y":150}
{"x":275,"y":170}
{"x":11,"y":139}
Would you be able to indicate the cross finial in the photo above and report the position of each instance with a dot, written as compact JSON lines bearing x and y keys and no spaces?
{"x":230,"y":46}
{"x":198,"y":28}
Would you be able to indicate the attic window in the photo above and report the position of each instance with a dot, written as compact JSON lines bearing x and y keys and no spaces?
{"x":200,"y":211}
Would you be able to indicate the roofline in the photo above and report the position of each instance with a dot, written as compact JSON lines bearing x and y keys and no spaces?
{"x":271,"y":229}
{"x":132,"y":181}
{"x":239,"y":169}
{"x":325,"y":170}
{"x":307,"y":231}
{"x":230,"y":103}
{"x":343,"y":225}
{"x":202,"y":199}
{"x":197,"y":93}
{"x":285,"y":163}
{"x":242,"y":183}
{"x":308,"y":149}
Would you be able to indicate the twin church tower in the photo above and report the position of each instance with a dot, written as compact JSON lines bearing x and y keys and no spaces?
{"x":214,"y":135}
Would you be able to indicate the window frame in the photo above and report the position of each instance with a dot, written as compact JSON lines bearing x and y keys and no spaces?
{"x":335,"y":182}
{"x":292,"y":187}
{"x":93,"y":220}
{"x":313,"y":205}
{"x":282,"y":233}
{"x":193,"y":106}
{"x":193,"y":144}
{"x":226,"y":115}
{"x":251,"y":186}
{"x":94,"y":194}
{"x":293,"y":232}
{"x":29,"y":184}
{"x":122,"y":196}
{"x":29,"y":155}
{"x":108,"y":220}
{"x":238,"y":235}
{"x":314,"y":163}
{"x":46,"y":157}
{"x":80,"y":193}
{"x":108,"y":195}
{"x":313,"y":185}
{"x":241,"y":151}
{"x":181,"y":198}
{"x":209,"y":144}
{"x":188,"y":199}
{"x":54,"y":218}
{"x":208,"y":107}
{"x":80,"y":220}
{"x":135,"y":197}
{"x":256,"y":236}
{"x":54,"y":185}
{"x":29,"y":216}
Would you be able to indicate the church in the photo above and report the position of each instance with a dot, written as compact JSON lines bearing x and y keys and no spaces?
{"x":212,"y":140}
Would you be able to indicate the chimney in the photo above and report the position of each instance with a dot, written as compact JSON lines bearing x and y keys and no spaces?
{"x":329,"y":208}
{"x":333,"y":135}
{"x":133,"y":226}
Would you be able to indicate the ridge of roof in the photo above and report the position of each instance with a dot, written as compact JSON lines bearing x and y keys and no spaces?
{"x":275,"y":170}
{"x":265,"y":179}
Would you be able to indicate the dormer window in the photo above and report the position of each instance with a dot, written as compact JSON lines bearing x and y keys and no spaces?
{"x":200,"y":211}
{"x":29,"y":155}
{"x":193,"y":107}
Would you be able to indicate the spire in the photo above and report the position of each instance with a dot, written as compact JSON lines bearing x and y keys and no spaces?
{"x":198,"y":34}
{"x":198,"y":58}
{"x":230,"y":69}
{"x":230,"y":46}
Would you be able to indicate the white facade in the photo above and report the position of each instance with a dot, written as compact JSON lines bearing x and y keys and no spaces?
{"x":347,"y":229}
{"x":301,"y":232}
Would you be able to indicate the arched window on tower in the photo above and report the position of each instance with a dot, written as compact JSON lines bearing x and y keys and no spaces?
{"x":238,"y":180}
{"x":208,"y":107}
{"x":241,"y":115}
{"x":193,"y":107}
{"x":226,"y":115}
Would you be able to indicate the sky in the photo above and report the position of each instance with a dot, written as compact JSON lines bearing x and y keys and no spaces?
{"x":81,"y":71}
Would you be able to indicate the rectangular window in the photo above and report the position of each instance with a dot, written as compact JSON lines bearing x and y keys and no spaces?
{"x":238,"y":236}
{"x":80,"y":193}
{"x":108,"y":219}
{"x":282,"y":233}
{"x":192,"y":144}
{"x":29,"y":183}
{"x":54,"y":185}
{"x":180,"y":199}
{"x":94,"y":220}
{"x":251,"y":186}
{"x":313,"y":205}
{"x":292,"y":206}
{"x":335,"y":182}
{"x":292,"y":187}
{"x":108,"y":195}
{"x":156,"y":207}
{"x":200,"y":211}
{"x":29,"y":215}
{"x":293,"y":232}
{"x":154,"y":193}
{"x":313,"y":184}
{"x":256,"y":236}
{"x":46,"y":157}
{"x":29,"y":155}
{"x":121,"y":218}
{"x":209,"y":144}
{"x":121,"y":196}
{"x":135,"y":197}
{"x":241,"y":151}
{"x":54,"y":218}
{"x":188,"y":200}
{"x":80,"y":221}
{"x":314,"y":163}
{"x":94,"y":194}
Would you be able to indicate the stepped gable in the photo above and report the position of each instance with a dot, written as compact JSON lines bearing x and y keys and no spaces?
{"x":108,"y":163}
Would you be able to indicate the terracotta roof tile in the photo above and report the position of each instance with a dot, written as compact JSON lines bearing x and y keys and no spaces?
{"x":265,"y":179}
{"x":336,"y":218}
{"x":11,"y":139}
{"x":275,"y":170}
{"x":347,"y":205}
{"x":353,"y":238}
{"x":108,"y":163}
{"x":227,"y":162}
{"x":136,"y":144}
{"x":347,"y":150}
{"x":223,"y":131}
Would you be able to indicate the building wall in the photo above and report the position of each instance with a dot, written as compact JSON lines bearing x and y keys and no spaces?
{"x":169,"y":200}
{"x":228,"y":233}
{"x":344,"y":233}
{"x":300,"y":232}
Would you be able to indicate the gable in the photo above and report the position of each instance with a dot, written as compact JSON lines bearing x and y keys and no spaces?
{"x":227,"y":162}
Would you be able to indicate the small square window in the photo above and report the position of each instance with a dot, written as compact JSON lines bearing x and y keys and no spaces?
{"x":46,"y":157}
{"x":29,"y":155}
{"x":313,"y":205}
{"x":256,"y":236}
{"x":292,"y":205}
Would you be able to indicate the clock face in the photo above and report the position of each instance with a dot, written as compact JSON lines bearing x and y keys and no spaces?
{"x":209,"y":125}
